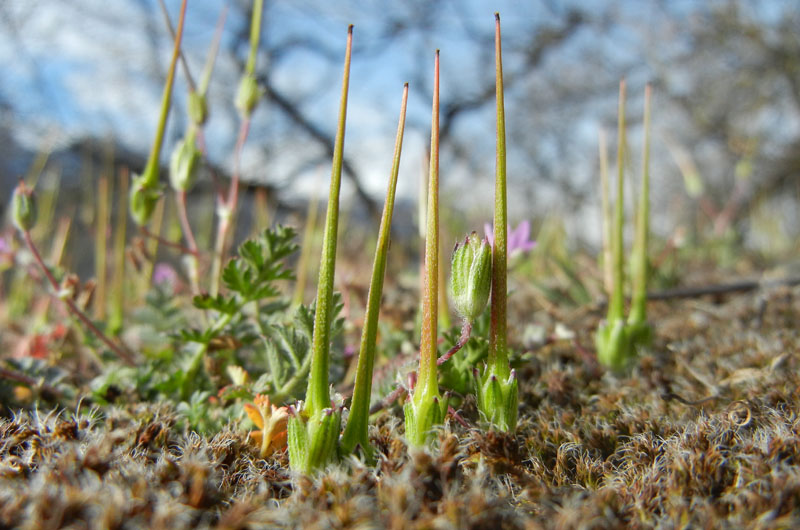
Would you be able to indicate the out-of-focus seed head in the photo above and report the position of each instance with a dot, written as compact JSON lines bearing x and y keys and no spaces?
{"x":183,"y":164}
{"x":198,"y":108}
{"x":248,"y":95}
{"x":23,"y":208}
{"x":143,"y":200}
{"x":471,"y":276}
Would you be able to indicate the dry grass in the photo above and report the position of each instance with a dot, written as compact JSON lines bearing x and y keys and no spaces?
{"x":703,"y":433}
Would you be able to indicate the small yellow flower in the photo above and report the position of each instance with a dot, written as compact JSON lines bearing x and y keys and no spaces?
{"x":271,"y":422}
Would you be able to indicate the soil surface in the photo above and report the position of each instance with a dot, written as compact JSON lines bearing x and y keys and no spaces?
{"x":703,"y":432}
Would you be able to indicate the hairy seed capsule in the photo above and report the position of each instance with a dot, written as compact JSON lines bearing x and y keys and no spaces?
{"x":183,"y":164}
{"x":471,"y":276}
{"x":23,"y":208}
{"x":143,"y":200}
{"x":248,"y":94}
{"x":198,"y":108}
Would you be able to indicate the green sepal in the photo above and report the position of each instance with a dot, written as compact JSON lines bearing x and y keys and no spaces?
{"x":198,"y":108}
{"x":313,"y":443}
{"x":247,"y":95}
{"x":143,"y":199}
{"x":297,"y":440}
{"x":498,"y":399}
{"x":23,"y":208}
{"x":471,"y":276}
{"x":183,"y":163}
{"x":423,"y":417}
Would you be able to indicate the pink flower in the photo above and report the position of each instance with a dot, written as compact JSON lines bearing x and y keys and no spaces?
{"x":165,"y":274}
{"x":519,"y":240}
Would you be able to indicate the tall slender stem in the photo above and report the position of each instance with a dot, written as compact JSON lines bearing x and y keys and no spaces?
{"x":151,"y":169}
{"x":427,"y":385}
{"x":318,"y":395}
{"x":608,"y":266}
{"x":498,"y":354}
{"x":616,"y":306}
{"x":639,"y":258}
{"x":356,"y":430}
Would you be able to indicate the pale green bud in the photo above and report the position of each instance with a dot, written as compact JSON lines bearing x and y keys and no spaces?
{"x":313,"y":443}
{"x":248,"y":94}
{"x":23,"y":208}
{"x":198,"y":108}
{"x":183,"y":164}
{"x":143,"y":200}
{"x":498,"y":400}
{"x":471,"y":276}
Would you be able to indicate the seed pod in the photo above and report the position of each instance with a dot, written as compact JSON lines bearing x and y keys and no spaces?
{"x":23,"y":207}
{"x":198,"y":108}
{"x":248,"y":95}
{"x":143,"y":200}
{"x":471,"y":276}
{"x":183,"y":164}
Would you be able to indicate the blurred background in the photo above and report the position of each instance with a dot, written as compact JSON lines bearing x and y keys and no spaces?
{"x":81,"y":82}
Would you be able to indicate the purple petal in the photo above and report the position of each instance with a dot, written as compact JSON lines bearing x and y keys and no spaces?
{"x":489,"y":231}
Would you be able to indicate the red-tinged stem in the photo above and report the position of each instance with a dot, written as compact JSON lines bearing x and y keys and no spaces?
{"x":428,"y":384}
{"x":466,"y":331}
{"x":171,"y":244}
{"x":184,"y":218}
{"x":117,"y":349}
{"x":13,"y":375}
{"x":229,"y":210}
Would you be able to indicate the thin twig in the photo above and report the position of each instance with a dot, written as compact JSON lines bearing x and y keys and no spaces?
{"x":717,"y":289}
{"x":177,"y":246}
{"x":25,"y":379}
{"x":117,"y":349}
{"x":466,"y":331}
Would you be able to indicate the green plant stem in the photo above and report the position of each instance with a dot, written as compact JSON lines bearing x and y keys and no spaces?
{"x":607,"y":256}
{"x":208,"y":68}
{"x":120,"y":352}
{"x":180,"y":200}
{"x":498,"y":355}
{"x":356,"y":430}
{"x":118,"y":285}
{"x":616,"y":305}
{"x":427,"y":384}
{"x":305,"y":249}
{"x":255,"y":35}
{"x":151,"y":245}
{"x":184,"y":63}
{"x":151,"y":169}
{"x":195,"y":363}
{"x":283,"y":393}
{"x":186,"y":227}
{"x":317,"y":394}
{"x":639,"y":263}
{"x":101,"y":254}
{"x":226,"y":211}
